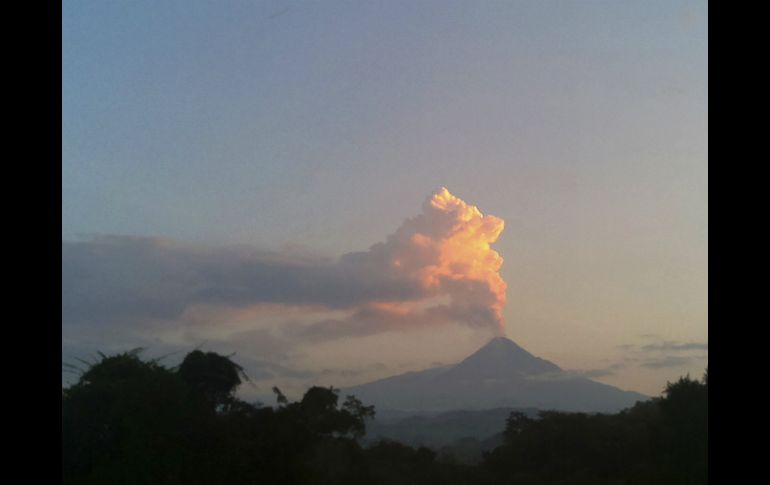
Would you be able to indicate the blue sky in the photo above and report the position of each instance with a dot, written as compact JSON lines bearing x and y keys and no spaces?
{"x":323,"y":125}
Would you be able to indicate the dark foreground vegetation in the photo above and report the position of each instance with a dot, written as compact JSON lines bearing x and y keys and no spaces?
{"x":129,"y":421}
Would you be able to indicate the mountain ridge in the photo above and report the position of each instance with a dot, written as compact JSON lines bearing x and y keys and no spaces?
{"x":499,"y":374}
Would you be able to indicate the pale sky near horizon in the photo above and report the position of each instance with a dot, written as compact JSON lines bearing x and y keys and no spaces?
{"x":281,"y":135}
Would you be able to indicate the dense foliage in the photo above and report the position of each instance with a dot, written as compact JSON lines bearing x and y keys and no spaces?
{"x":129,"y":421}
{"x":661,"y":441}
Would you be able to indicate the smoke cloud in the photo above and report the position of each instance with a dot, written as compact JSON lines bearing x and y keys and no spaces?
{"x":446,"y":251}
{"x":437,"y":267}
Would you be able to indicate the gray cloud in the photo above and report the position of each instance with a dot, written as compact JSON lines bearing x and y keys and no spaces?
{"x":663,"y":353}
{"x":675,"y":347}
{"x":372,"y":319}
{"x":116,"y":279}
{"x":361,"y":370}
{"x":665,"y":346}
{"x":665,"y":362}
{"x":601,"y":372}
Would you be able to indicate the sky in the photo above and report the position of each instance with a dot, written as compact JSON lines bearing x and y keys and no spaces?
{"x":341,"y":191}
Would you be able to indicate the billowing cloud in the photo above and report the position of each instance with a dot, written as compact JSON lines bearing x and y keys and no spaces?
{"x":446,"y":251}
{"x":437,"y":267}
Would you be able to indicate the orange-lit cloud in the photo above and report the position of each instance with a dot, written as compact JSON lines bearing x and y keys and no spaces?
{"x":446,"y":251}
{"x":436,"y":268}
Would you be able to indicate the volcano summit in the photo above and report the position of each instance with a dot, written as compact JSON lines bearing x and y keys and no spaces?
{"x":500,"y":374}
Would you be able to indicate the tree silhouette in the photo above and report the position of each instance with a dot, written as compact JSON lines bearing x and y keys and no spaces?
{"x":120,"y":420}
{"x":128,"y":421}
{"x":211,"y":377}
{"x":684,"y":441}
{"x":663,"y":440}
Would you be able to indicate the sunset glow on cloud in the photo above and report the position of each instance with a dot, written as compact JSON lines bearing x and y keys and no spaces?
{"x":436,"y":268}
{"x":447,"y":250}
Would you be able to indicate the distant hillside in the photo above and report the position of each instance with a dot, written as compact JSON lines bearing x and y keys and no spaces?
{"x":442,"y":429}
{"x":499,"y":375}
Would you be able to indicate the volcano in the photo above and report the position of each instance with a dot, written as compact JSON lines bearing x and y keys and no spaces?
{"x":500,"y":374}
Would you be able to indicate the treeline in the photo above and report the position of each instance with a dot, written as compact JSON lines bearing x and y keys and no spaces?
{"x":660,"y":441}
{"x":130,"y":421}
